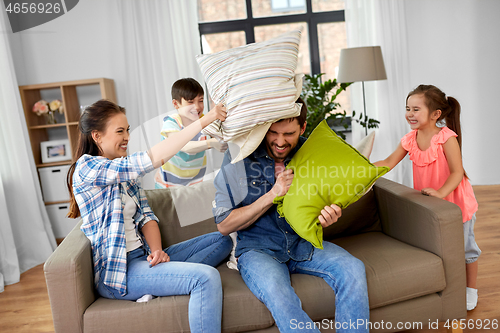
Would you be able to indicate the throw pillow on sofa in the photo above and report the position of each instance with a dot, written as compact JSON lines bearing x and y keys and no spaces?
{"x":327,"y":170}
{"x":258,"y":86}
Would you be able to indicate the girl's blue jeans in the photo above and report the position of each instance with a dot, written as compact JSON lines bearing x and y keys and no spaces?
{"x":269,"y":281}
{"x":190,"y":271}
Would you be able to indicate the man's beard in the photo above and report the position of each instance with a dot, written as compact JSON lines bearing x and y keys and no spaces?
{"x":277,"y":155}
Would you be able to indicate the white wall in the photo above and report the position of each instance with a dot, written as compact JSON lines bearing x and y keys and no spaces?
{"x":82,"y":44}
{"x":455,"y":46}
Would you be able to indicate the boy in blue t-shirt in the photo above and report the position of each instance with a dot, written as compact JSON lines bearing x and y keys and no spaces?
{"x":188,"y":166}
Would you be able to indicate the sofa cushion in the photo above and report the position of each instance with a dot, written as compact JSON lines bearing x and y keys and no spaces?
{"x":174,"y":209}
{"x":395,"y":271}
{"x":361,"y":216}
{"x":162,"y":314}
{"x":242,"y":311}
{"x":318,"y":299}
{"x":365,"y":146}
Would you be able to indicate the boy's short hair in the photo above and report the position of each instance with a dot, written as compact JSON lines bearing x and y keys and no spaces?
{"x":302,"y":117}
{"x":187,"y":88}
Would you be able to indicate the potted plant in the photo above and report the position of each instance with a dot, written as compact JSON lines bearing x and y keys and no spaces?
{"x":320,"y":99}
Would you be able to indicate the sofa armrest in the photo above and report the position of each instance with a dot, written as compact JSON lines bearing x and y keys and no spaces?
{"x":69,"y":278}
{"x":432,"y":224}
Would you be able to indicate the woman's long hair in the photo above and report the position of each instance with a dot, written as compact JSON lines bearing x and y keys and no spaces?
{"x":94,"y":118}
{"x":435,"y":99}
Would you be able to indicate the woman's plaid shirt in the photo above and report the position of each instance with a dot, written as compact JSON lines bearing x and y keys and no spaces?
{"x":97,"y":190}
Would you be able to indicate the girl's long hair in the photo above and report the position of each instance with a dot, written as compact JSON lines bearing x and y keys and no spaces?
{"x":435,"y":99}
{"x":94,"y":118}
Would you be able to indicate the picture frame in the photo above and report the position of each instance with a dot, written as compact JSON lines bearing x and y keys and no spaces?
{"x":55,"y":151}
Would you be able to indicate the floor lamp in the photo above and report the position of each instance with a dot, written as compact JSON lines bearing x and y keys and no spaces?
{"x":361,"y":64}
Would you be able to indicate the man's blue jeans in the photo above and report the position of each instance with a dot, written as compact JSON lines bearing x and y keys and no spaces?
{"x":269,"y":280}
{"x":189,"y":272}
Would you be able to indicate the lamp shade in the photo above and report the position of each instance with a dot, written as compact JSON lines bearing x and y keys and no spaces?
{"x":361,"y":64}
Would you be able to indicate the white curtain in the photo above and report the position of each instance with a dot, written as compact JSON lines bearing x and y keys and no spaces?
{"x":161,"y":39}
{"x":382,"y":22}
{"x":26,"y":237}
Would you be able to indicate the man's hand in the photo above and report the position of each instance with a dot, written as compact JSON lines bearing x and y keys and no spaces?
{"x":431,"y":192}
{"x":329,"y":215}
{"x":157,"y":257}
{"x":283,"y":183}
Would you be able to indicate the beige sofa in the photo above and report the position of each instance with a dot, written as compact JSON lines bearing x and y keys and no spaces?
{"x":412,"y":247}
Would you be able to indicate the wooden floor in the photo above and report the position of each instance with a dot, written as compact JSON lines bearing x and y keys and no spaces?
{"x":25,"y":307}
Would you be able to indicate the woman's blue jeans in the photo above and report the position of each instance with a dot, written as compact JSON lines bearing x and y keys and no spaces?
{"x":269,"y":281}
{"x":190,"y":271}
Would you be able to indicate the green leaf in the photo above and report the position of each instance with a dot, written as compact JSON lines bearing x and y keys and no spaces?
{"x":320,"y":99}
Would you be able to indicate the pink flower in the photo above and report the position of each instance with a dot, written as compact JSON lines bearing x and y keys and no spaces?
{"x":40,"y":107}
{"x":43,"y":108}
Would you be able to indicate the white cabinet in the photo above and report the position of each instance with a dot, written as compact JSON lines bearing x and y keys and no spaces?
{"x":53,"y":181}
{"x":61,"y":225}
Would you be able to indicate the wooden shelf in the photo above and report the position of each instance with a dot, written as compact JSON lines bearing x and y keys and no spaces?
{"x":73,"y":123}
{"x":51,"y":164}
{"x":67,"y":127}
{"x":47,"y":126}
{"x":56,"y":202}
{"x":103,"y":82}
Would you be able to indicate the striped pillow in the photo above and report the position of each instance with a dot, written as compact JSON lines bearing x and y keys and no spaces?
{"x":258,"y":86}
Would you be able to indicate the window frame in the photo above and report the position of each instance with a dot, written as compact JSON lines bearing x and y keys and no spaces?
{"x":247,"y":25}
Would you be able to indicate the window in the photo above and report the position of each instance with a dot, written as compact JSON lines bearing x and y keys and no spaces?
{"x":221,"y":10}
{"x":278,"y":7}
{"x":213,"y":43}
{"x":288,"y":5}
{"x":226,"y":24}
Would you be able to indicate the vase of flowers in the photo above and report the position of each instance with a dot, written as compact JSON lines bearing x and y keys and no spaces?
{"x":48,"y":109}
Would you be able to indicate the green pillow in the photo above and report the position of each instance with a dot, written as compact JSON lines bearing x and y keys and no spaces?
{"x":327,"y":170}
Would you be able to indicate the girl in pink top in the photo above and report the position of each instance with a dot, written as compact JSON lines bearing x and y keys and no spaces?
{"x":437,"y":164}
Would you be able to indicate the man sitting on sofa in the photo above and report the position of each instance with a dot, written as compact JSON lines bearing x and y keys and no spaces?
{"x":268,"y":249}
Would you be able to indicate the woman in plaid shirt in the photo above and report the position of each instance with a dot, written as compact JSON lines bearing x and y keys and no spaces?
{"x":128,"y":259}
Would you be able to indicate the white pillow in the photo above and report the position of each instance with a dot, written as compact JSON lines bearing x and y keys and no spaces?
{"x":258,"y":86}
{"x":232,"y":263}
{"x":365,"y":146}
